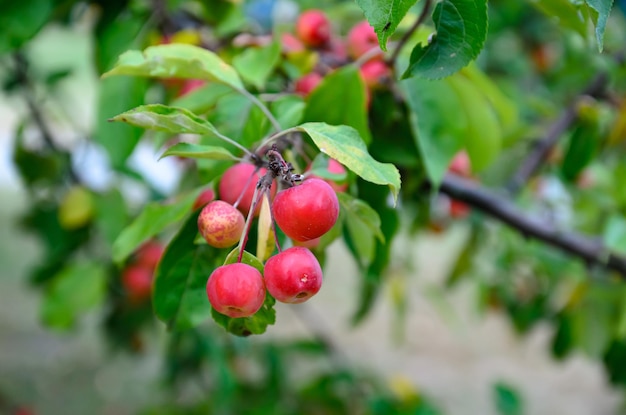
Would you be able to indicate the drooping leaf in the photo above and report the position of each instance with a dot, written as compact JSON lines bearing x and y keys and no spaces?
{"x":154,"y":218}
{"x":603,"y":9}
{"x":176,"y":60}
{"x":361,"y":211}
{"x":329,"y":101}
{"x":461,"y":31}
{"x":199,"y":151}
{"x":344,"y":144}
{"x":118,"y":95}
{"x":75,"y":290}
{"x":483,"y":134}
{"x":437,"y":126}
{"x":582,"y":147}
{"x":255,"y":65}
{"x":384,"y":16}
{"x":179,"y":295}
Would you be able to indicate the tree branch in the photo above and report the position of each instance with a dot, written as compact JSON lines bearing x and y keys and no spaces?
{"x":591,"y":250}
{"x":541,"y":149}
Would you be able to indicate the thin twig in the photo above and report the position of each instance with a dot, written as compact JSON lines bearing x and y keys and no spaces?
{"x":405,"y":38}
{"x":21,"y":72}
{"x":275,"y":124}
{"x":591,"y":250}
{"x":541,"y":150}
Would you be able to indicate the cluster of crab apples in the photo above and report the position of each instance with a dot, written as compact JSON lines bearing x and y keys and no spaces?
{"x":304,"y":212}
{"x":314,"y":32}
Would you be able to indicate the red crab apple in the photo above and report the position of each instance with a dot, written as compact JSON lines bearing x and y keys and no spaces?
{"x":458,"y":209}
{"x":293,"y":275}
{"x":204,"y":198}
{"x":190,"y":85}
{"x":306,"y":211}
{"x":236,"y":290}
{"x":149,"y":254}
{"x":361,"y":39}
{"x":306,"y":84}
{"x":313,"y":28}
{"x":220,"y":224}
{"x":461,"y":164}
{"x":291,"y":44}
{"x":137,"y":282}
{"x":374,"y":73}
{"x":241,"y":178}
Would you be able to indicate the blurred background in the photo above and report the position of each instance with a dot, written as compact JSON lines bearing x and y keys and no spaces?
{"x":426,"y":345}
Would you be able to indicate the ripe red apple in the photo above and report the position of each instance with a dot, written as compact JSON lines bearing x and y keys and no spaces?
{"x":306,"y":211}
{"x":308,"y":83}
{"x":293,"y":275}
{"x":236,"y":290}
{"x":233,"y":184}
{"x":461,"y":164}
{"x":190,"y":85}
{"x":149,"y":254}
{"x":220,"y":224}
{"x":458,"y":210}
{"x":137,"y":282}
{"x":362,"y":38}
{"x":204,"y":198}
{"x":374,"y":73}
{"x":291,"y":44}
{"x":313,"y":28}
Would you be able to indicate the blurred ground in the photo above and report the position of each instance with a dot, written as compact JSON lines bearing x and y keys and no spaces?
{"x":448,"y":350}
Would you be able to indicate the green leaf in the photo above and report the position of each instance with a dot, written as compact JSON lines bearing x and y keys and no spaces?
{"x":116,"y":36}
{"x":437,"y":126}
{"x":202,"y":99}
{"x":384,"y":16}
{"x":602,"y":8}
{"x":176,"y":60}
{"x":247,"y":259}
{"x":179,"y":296}
{"x":198,"y":151}
{"x":288,"y":110}
{"x":567,"y":14}
{"x":245,"y":326}
{"x":327,"y":102}
{"x":118,"y":95}
{"x":154,"y":218}
{"x":255,"y":65}
{"x":483,"y":134}
{"x":344,"y":144}
{"x":111,"y":215}
{"x":507,"y":399}
{"x":615,"y":234}
{"x":359,"y":210}
{"x":461,"y":31}
{"x":168,"y":119}
{"x":76,"y":289}
{"x":581,"y":149}
{"x":21,"y":21}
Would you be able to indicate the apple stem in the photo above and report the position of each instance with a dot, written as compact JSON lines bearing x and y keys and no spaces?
{"x":245,"y":187}
{"x":262,"y":107}
{"x":268,"y":193}
{"x":248,"y":225}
